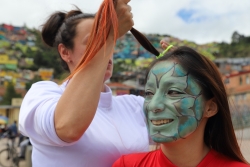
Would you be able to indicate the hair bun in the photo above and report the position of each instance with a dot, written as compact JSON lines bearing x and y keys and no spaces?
{"x":51,"y":27}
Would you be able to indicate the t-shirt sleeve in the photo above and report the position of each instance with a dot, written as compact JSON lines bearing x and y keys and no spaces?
{"x":36,"y":117}
{"x":139,"y":100}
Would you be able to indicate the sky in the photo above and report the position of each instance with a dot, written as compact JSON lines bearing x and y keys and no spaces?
{"x":200,"y":21}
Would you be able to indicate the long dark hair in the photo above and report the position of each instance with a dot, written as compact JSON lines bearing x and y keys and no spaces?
{"x":61,"y":28}
{"x":219,"y":132}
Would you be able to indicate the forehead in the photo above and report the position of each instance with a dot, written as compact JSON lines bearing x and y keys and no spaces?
{"x":169,"y":73}
{"x":168,"y":66}
{"x":85,"y":26}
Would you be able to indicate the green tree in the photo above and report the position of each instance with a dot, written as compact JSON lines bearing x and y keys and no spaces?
{"x":29,"y":84}
{"x":45,"y":56}
{"x":239,"y":47}
{"x":9,"y":94}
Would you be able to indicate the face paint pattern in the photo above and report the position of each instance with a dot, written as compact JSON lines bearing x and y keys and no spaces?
{"x":173,"y":103}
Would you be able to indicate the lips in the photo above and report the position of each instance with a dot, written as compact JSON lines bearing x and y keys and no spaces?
{"x":161,"y":122}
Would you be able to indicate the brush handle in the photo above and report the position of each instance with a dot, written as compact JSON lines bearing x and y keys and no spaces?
{"x":144,"y":42}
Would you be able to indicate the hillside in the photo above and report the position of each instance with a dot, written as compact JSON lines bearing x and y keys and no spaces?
{"x":26,"y":47}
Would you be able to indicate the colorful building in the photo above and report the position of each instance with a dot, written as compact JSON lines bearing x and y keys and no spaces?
{"x":7,"y":63}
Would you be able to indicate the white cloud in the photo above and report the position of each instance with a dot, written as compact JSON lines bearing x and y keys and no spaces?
{"x":222,"y":17}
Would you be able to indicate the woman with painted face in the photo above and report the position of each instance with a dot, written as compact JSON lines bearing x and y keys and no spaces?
{"x":187,"y":112}
{"x":79,"y":123}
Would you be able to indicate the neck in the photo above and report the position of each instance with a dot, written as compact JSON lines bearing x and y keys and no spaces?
{"x":187,"y":152}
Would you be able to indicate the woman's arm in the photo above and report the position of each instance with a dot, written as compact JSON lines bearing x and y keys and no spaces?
{"x":77,"y":106}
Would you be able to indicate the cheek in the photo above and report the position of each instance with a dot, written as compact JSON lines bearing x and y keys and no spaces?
{"x":185,"y":106}
{"x":199,"y":106}
{"x":190,"y":119}
{"x":187,"y":125}
{"x":80,"y":52}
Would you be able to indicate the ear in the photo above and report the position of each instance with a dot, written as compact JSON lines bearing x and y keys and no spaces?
{"x":211,"y":108}
{"x":64,"y":53}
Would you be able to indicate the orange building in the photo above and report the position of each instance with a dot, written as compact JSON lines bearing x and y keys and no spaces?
{"x":238,"y":88}
{"x":236,"y":76}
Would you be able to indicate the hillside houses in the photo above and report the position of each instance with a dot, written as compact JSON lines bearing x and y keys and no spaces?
{"x":236,"y":76}
{"x":15,"y":41}
{"x":15,"y":34}
{"x":130,"y":61}
{"x":231,"y":65}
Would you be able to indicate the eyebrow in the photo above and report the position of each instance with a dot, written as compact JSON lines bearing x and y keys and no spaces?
{"x":174,"y":82}
{"x":149,"y":84}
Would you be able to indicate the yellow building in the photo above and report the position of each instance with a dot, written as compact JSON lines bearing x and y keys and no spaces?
{"x":4,"y":59}
{"x":46,"y":73}
{"x":8,"y":63}
{"x":11,"y":111}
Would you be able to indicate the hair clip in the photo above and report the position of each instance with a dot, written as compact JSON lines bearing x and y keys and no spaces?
{"x":165,"y":51}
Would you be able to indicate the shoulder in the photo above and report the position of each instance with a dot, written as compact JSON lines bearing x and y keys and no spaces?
{"x":237,"y":164}
{"x":217,"y":159}
{"x":39,"y":93}
{"x":130,"y":98}
{"x":129,"y":103}
{"x":232,"y":163}
{"x":135,"y":160}
{"x":44,"y":87}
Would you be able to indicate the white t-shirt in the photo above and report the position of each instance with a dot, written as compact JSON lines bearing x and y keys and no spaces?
{"x":118,"y":128}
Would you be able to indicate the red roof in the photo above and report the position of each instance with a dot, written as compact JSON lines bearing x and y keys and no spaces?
{"x":237,"y":74}
{"x":8,"y":27}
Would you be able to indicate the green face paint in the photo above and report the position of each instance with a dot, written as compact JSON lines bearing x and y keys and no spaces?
{"x":173,"y":103}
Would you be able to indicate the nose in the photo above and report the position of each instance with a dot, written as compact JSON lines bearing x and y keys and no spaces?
{"x":156,"y":104}
{"x":157,"y":110}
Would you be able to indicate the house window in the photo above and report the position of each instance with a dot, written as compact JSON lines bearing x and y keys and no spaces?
{"x":247,"y":80}
{"x":240,"y":81}
{"x":226,"y":81}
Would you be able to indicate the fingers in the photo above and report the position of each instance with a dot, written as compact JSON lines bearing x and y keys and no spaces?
{"x":129,"y":8}
{"x":120,"y":1}
{"x":164,"y":44}
{"x":123,"y":9}
{"x":130,"y":15}
{"x":126,"y":1}
{"x":125,"y":16}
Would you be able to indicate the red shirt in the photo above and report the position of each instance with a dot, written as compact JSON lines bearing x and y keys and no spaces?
{"x":158,"y":159}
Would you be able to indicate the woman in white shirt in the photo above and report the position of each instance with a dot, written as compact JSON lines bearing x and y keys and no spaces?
{"x":79,"y":123}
